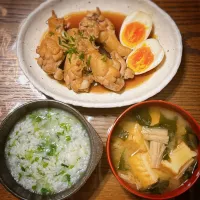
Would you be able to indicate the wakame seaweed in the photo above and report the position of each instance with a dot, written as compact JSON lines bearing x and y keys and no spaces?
{"x":157,"y":188}
{"x":121,"y":165}
{"x":190,"y":139}
{"x":121,"y":133}
{"x":170,"y":125}
{"x":142,"y":116}
{"x":188,"y":173}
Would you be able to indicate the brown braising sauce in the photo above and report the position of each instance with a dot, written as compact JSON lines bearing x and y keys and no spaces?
{"x":117,"y":20}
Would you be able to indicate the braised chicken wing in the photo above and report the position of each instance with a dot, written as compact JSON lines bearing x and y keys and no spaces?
{"x":104,"y":70}
{"x":50,"y":52}
{"x":76,"y":49}
{"x":102,"y":29}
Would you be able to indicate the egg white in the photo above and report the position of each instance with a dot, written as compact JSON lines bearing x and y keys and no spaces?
{"x":140,"y":17}
{"x":156,"y":50}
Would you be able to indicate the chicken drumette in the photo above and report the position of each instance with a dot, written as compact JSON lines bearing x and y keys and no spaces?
{"x":84,"y":58}
{"x":51,"y":53}
{"x":103,"y":31}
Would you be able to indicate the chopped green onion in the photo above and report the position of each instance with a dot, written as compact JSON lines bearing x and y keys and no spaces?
{"x":72,"y":50}
{"x":36,"y":129}
{"x":48,"y":115}
{"x":78,"y":159}
{"x":64,"y":165}
{"x":45,"y":191}
{"x":72,"y":39}
{"x":60,"y":133}
{"x":57,"y":27}
{"x":40,"y":172}
{"x":104,"y":58}
{"x":59,"y":41}
{"x":65,"y":34}
{"x":35,"y":160}
{"x":67,"y":178}
{"x":29,"y":154}
{"x":51,"y":33}
{"x":80,"y":33}
{"x":68,"y":138}
{"x":36,"y":118}
{"x":71,"y":166}
{"x":22,"y":158}
{"x":88,"y":60}
{"x":41,"y":147}
{"x":92,"y":38}
{"x":62,"y":172}
{"x":20,"y":176}
{"x":45,"y":164}
{"x":81,"y":56}
{"x":52,"y":150}
{"x":65,"y":126}
{"x":13,"y":144}
{"x":68,"y":166}
{"x":34,"y":187}
{"x":23,"y":169}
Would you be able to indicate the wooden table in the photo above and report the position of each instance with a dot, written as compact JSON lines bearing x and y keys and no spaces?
{"x":183,"y":90}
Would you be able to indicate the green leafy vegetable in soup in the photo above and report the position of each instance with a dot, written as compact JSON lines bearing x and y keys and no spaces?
{"x":190,"y":139}
{"x":121,"y":165}
{"x":157,"y":188}
{"x":121,"y":133}
{"x":142,"y":116}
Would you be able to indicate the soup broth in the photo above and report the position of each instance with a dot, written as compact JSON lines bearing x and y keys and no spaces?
{"x":154,"y":149}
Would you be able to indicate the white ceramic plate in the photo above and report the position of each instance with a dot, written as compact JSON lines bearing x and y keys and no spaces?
{"x":34,"y":27}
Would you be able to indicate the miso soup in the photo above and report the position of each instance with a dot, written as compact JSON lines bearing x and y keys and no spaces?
{"x":154,"y":149}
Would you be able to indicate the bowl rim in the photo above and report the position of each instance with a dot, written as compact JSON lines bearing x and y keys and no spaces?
{"x":95,"y":142}
{"x":187,"y":184}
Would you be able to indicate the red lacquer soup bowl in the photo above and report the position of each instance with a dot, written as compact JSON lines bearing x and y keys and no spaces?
{"x":196,"y":129}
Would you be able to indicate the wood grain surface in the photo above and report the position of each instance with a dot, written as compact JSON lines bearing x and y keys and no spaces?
{"x":183,"y":90}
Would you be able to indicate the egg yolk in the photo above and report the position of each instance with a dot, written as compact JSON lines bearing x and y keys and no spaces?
{"x":141,"y":59}
{"x":133,"y":34}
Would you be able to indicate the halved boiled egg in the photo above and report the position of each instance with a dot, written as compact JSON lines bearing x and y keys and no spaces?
{"x":135,"y":29}
{"x":145,"y":57}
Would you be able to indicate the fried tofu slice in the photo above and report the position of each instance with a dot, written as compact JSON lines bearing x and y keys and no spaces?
{"x":178,"y":158}
{"x":144,"y":175}
{"x":155,"y":115}
{"x":135,"y":135}
{"x":163,"y":175}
